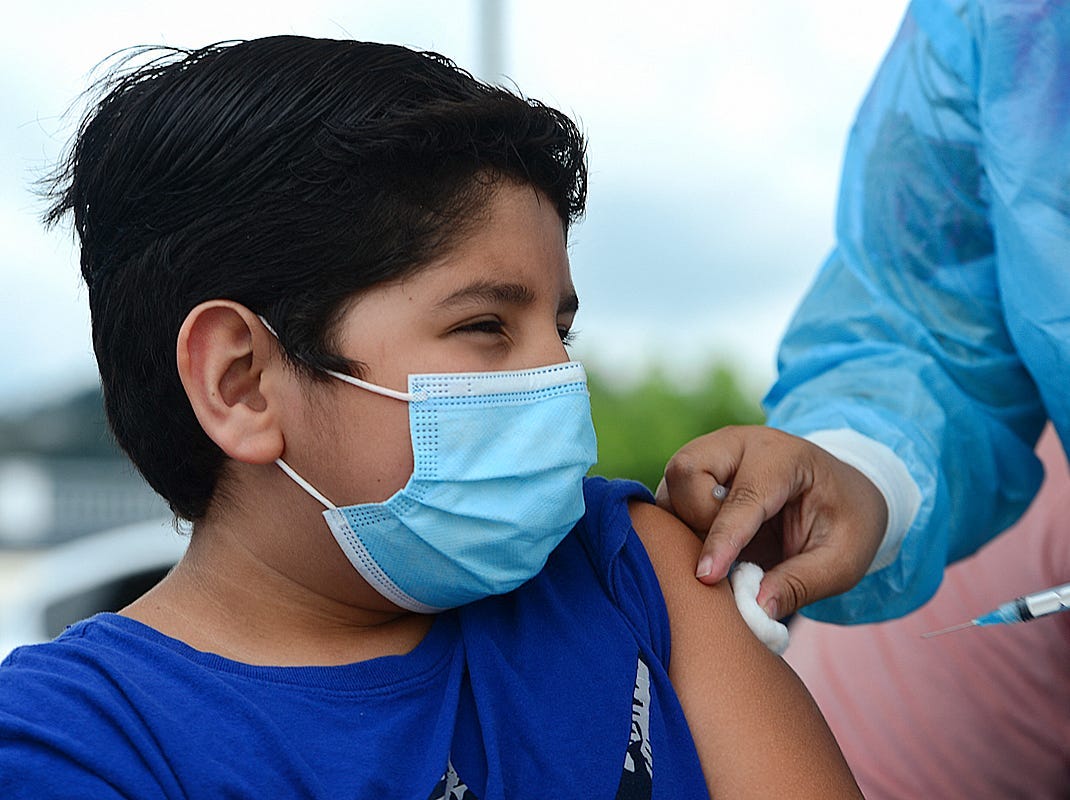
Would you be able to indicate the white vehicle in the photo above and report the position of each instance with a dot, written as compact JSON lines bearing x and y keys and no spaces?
{"x":42,"y":591}
{"x":77,"y":536}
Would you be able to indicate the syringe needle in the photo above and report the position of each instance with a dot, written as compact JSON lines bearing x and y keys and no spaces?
{"x":959,"y":627}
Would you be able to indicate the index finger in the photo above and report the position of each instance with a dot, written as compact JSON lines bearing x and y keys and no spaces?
{"x":762,"y":485}
{"x":695,"y":479}
{"x":694,"y":499}
{"x":741,"y":514}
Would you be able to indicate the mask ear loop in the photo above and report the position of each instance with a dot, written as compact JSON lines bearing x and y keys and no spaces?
{"x":408,"y":397}
{"x":371,"y":387}
{"x":308,"y":487}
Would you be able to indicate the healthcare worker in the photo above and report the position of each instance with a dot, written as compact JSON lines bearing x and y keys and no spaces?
{"x":934,"y":343}
{"x":977,"y":713}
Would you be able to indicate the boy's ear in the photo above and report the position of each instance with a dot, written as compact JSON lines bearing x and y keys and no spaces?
{"x":223,"y":354}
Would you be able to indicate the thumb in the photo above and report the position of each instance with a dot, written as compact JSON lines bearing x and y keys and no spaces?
{"x":796,"y":582}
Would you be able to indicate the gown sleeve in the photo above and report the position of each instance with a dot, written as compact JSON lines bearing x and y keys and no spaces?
{"x":954,"y":213}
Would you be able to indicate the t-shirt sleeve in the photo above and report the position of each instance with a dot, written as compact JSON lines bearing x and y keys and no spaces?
{"x":621,"y":561}
{"x":49,"y":749}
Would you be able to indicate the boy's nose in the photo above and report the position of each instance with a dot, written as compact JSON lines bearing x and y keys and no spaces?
{"x":548,"y":349}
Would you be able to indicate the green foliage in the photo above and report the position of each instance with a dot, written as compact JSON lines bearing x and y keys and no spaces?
{"x":641,"y":426}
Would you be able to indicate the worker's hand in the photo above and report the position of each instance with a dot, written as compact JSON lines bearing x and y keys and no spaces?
{"x":810,"y":521}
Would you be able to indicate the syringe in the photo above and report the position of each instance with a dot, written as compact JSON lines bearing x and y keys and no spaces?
{"x":1020,"y":609}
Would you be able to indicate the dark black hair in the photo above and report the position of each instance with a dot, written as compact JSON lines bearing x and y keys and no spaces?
{"x":286,"y":174}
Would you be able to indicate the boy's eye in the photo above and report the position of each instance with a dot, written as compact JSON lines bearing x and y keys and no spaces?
{"x":493,"y":326}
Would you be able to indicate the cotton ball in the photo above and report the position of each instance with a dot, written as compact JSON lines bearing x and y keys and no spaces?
{"x":746,"y":578}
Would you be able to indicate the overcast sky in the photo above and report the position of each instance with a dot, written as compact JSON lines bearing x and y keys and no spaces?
{"x":715,"y":137}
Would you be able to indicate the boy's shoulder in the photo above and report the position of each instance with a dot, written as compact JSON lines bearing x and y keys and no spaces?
{"x":580,"y":653}
{"x":71,"y":659}
{"x":61,"y":709}
{"x":616,"y":552}
{"x":598,"y":579}
{"x":605,"y":496}
{"x":606,"y":525}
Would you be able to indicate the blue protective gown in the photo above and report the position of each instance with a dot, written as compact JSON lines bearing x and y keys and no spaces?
{"x":940,"y":324}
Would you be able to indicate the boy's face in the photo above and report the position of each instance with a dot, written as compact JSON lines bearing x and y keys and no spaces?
{"x":502,"y":299}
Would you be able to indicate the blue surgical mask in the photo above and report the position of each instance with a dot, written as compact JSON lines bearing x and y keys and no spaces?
{"x":497,"y":483}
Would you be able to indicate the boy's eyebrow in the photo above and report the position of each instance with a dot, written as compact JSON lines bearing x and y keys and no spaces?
{"x":516,"y":294}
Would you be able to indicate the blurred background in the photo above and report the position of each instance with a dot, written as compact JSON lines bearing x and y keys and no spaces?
{"x":715,"y":137}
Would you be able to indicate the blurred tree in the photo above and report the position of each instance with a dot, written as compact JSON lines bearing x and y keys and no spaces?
{"x":73,"y":426}
{"x":641,"y":426}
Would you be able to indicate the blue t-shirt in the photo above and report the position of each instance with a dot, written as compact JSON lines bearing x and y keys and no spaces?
{"x":558,"y":689}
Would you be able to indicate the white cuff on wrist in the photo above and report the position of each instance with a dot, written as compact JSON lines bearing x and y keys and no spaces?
{"x":888,"y":473}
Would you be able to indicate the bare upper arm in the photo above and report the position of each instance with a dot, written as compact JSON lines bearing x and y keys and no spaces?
{"x":757,"y":730}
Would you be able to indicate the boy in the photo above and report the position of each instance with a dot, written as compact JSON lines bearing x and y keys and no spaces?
{"x":331,"y":272}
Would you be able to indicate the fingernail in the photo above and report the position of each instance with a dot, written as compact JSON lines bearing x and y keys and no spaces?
{"x":705,"y":567}
{"x":770,"y":607}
